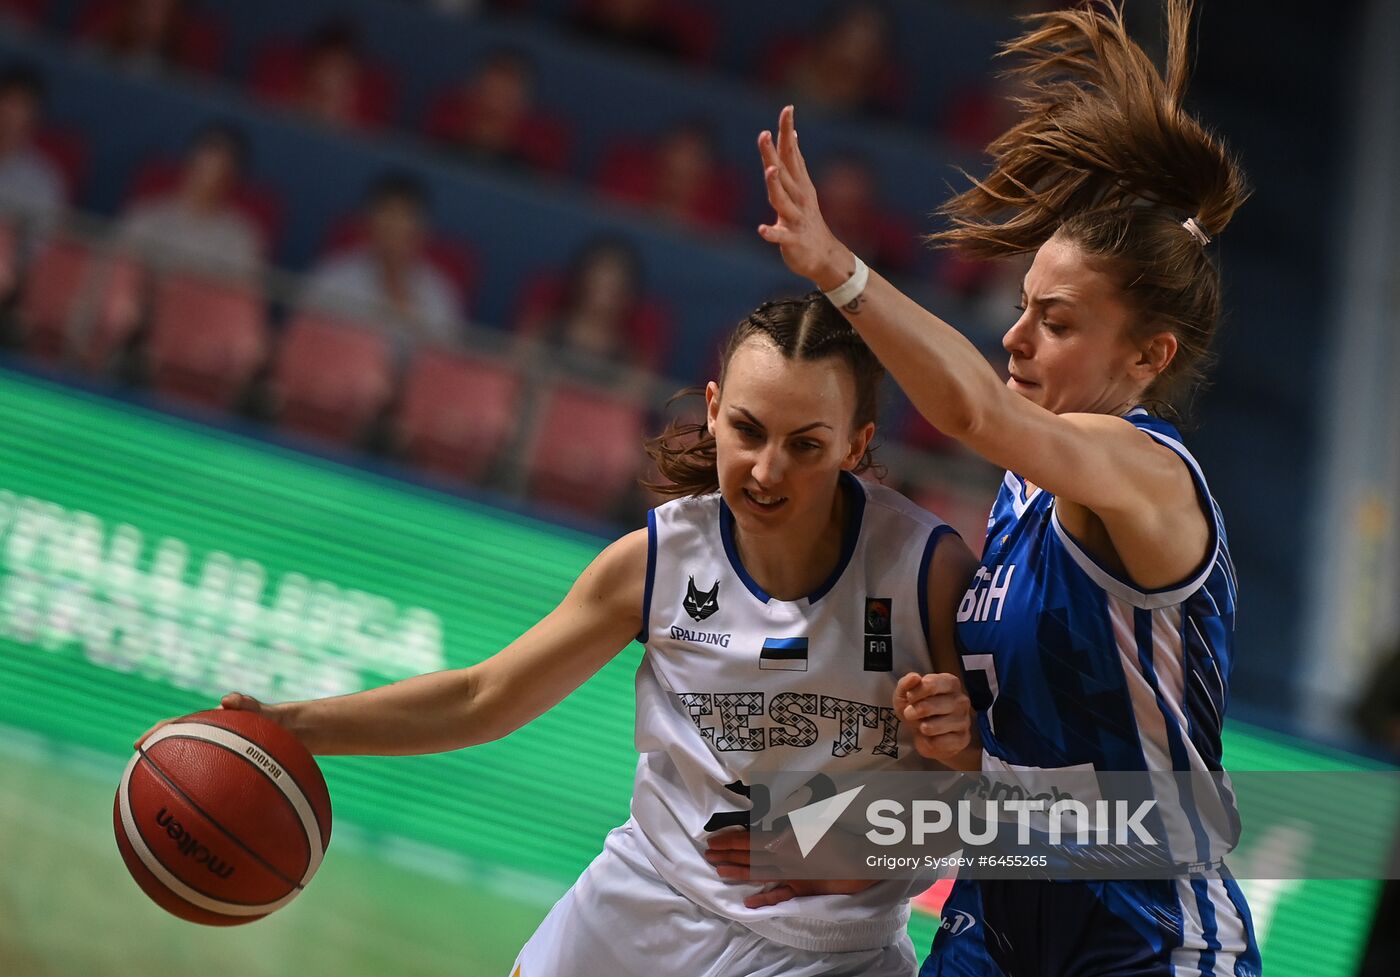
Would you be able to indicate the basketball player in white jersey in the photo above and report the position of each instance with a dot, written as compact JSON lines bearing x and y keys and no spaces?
{"x":1099,"y":629}
{"x":779,"y":599}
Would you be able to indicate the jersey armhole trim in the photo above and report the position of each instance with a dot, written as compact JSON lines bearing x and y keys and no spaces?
{"x":1166,"y":596}
{"x":937,"y":533}
{"x":1148,"y":600}
{"x":645,"y":633}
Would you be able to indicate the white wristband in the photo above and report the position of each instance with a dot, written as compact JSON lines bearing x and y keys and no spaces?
{"x":852,"y":288}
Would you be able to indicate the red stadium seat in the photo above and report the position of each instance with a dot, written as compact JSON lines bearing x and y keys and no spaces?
{"x":207,"y":340}
{"x":74,"y":300}
{"x":586,"y":452}
{"x":9,"y":258}
{"x":331,"y":378}
{"x":55,"y":280}
{"x":120,"y":308}
{"x":457,"y":413}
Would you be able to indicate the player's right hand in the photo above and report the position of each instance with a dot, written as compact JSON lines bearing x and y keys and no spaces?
{"x":937,"y":711}
{"x":232,"y":700}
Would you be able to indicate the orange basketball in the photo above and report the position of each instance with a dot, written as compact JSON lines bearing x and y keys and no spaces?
{"x":222,"y":817}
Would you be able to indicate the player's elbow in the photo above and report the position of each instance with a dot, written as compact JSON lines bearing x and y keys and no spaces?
{"x":478,"y":713}
{"x":982,"y":419}
{"x":967,"y":419}
{"x":969,"y":405}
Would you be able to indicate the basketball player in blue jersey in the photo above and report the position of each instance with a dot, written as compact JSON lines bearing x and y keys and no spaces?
{"x":779,"y":599}
{"x":1098,"y":629}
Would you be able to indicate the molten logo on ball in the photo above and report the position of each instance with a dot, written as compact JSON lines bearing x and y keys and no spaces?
{"x":191,"y":847}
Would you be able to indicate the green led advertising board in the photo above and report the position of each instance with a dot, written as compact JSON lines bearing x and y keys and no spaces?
{"x":148,"y":564}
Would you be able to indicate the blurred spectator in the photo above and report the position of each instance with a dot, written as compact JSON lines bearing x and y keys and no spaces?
{"x":198,"y":226}
{"x":388,"y":278}
{"x":679,"y":177}
{"x":32,"y":191}
{"x":648,"y":26}
{"x":848,"y":65}
{"x":327,"y":77}
{"x":850,"y":203}
{"x":492,"y":117}
{"x":153,"y":33}
{"x":598,"y":311}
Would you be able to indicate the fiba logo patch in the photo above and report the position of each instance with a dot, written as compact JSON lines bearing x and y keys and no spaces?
{"x":879,"y":642}
{"x":700,"y":604}
{"x":877,"y":615}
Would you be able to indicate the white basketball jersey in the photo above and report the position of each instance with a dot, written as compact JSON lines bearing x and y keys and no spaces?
{"x":735,"y":681}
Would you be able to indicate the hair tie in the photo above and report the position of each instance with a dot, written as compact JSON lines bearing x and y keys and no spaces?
{"x":1196,"y":231}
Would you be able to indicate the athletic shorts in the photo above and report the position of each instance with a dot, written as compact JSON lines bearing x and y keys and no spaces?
{"x":621,"y":919}
{"x":1151,"y":928}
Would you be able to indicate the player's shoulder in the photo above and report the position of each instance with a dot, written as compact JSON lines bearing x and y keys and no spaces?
{"x":621,"y":567}
{"x":1168,"y":436}
{"x":887,"y":505}
{"x":1153,"y":424}
{"x":687,"y":511}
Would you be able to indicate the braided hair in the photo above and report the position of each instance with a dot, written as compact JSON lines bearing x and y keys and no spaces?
{"x":808,"y":328}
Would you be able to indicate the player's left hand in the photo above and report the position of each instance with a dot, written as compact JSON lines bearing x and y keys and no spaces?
{"x":808,"y":247}
{"x":937,"y":711}
{"x":730,"y":853}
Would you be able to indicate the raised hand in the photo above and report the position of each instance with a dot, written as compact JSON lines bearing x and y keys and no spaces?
{"x":937,"y":711}
{"x":808,"y":247}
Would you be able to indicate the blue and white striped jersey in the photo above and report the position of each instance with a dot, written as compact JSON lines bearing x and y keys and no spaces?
{"x":1073,"y":667}
{"x":1069,"y":664}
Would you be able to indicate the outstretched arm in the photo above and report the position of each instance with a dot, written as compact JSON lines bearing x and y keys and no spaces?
{"x":462,"y":707}
{"x":1139,"y":489}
